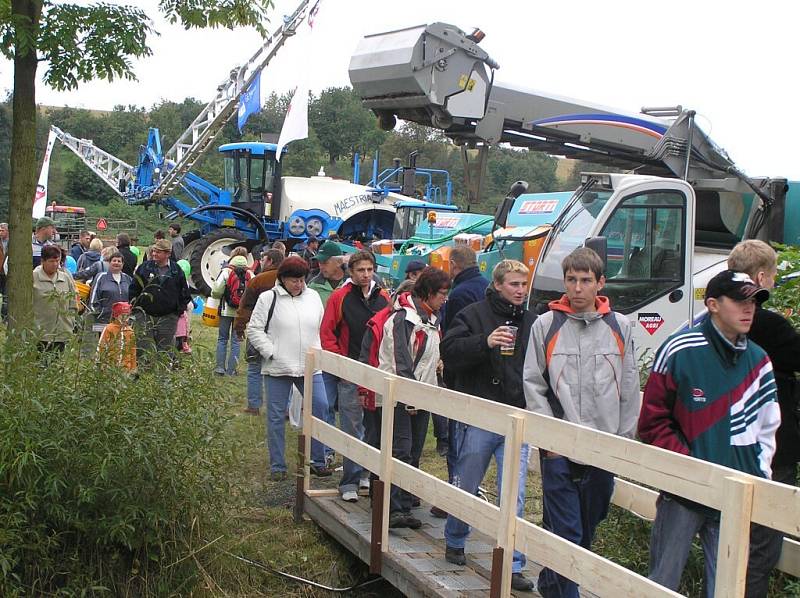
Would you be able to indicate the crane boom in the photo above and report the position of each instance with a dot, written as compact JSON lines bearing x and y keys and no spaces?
{"x":109,"y":168}
{"x":437,"y":75}
{"x":206,"y":127}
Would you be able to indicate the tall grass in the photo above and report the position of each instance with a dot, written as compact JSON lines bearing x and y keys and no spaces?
{"x":107,"y":482}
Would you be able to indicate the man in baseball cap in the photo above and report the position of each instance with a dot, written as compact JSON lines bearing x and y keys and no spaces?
{"x":45,"y":231}
{"x":414,"y":269}
{"x":710,"y":395}
{"x":331,"y":273}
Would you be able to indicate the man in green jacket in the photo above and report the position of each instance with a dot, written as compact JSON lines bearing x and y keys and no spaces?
{"x":331,"y":273}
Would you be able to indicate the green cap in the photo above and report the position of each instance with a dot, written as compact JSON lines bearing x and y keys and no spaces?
{"x":327,"y":251}
{"x":43,"y":222}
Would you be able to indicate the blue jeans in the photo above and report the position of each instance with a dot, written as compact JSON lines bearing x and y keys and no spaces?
{"x":279,"y":393}
{"x":575,"y":500}
{"x":255,"y":384}
{"x":475,"y":450}
{"x":332,"y":392}
{"x":671,"y":538}
{"x":351,"y":421}
{"x":226,"y":334}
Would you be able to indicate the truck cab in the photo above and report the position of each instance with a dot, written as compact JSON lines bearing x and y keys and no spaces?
{"x":662,"y":241}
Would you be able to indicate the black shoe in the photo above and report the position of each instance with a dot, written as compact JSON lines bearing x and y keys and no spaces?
{"x":277,"y":476}
{"x":321,"y":471}
{"x":415,"y":502}
{"x":455,"y":556}
{"x":438,"y":513}
{"x":412,"y":522}
{"x":397,"y":519}
{"x":520,"y":583}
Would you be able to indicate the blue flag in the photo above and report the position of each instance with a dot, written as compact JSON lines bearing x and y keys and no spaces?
{"x":250,"y":102}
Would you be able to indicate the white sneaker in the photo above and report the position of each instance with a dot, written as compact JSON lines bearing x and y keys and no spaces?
{"x":350,"y":496}
{"x":363,"y":484}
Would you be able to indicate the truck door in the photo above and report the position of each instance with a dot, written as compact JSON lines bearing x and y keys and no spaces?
{"x":648,"y":277}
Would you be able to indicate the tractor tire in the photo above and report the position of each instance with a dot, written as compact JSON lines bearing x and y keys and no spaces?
{"x":208,"y":255}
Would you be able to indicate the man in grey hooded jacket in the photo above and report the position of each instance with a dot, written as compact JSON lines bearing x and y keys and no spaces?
{"x":580,"y":367}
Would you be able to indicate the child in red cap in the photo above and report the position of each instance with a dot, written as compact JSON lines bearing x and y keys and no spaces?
{"x":117,"y":344}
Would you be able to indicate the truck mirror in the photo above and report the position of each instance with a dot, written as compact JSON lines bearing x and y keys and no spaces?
{"x":600,"y":246}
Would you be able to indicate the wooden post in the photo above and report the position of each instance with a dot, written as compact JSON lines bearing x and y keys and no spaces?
{"x":734,"y":538}
{"x":387,"y":428}
{"x":507,"y":531}
{"x":496,"y":579}
{"x":376,"y":537}
{"x":300,"y":480}
{"x":308,"y":410}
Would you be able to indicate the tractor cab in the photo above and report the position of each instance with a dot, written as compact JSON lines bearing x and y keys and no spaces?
{"x":253,"y":177}
{"x":415,"y":218}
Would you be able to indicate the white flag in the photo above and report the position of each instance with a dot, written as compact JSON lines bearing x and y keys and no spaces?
{"x":40,"y":199}
{"x":295,"y":124}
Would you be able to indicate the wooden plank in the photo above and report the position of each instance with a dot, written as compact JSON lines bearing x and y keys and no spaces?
{"x":592,"y":572}
{"x":300,"y":480}
{"x":385,"y":472}
{"x":483,"y":516}
{"x":507,"y":530}
{"x":376,"y":529}
{"x":344,"y":444}
{"x":320,"y":492}
{"x":308,"y":398}
{"x":734,"y":538}
{"x":790,"y":557}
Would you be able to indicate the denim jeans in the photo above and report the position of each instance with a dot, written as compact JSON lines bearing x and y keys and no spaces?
{"x":766,"y":543}
{"x":279,"y":393}
{"x":351,"y":421}
{"x":332,"y":393}
{"x":226,"y":333}
{"x":475,"y":450}
{"x":671,"y":538}
{"x":408,"y":441}
{"x":255,"y":384}
{"x":575,"y":500}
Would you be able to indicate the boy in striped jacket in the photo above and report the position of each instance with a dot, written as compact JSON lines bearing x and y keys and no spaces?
{"x":710,"y":395}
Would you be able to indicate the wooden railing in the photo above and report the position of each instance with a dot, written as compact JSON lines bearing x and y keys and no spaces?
{"x":740,"y":498}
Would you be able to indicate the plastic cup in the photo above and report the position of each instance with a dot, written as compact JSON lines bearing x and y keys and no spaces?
{"x":507,"y":350}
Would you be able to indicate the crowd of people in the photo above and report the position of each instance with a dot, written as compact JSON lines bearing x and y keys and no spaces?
{"x":711,"y":393}
{"x":723,"y":391}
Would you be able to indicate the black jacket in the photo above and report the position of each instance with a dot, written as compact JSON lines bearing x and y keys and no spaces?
{"x":474,"y":368}
{"x":156,"y":294}
{"x":773,"y":333}
{"x":129,"y":260}
{"x":469,"y":286}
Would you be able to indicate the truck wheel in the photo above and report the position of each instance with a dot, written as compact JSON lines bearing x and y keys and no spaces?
{"x":208,"y":257}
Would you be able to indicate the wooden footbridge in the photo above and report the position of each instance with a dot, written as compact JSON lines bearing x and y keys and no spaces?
{"x":413,"y":560}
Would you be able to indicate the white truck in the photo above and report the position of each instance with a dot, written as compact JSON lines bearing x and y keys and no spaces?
{"x":663,"y":231}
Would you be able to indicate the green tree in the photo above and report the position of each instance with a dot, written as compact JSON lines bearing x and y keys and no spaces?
{"x":343,"y":125}
{"x":79,"y":43}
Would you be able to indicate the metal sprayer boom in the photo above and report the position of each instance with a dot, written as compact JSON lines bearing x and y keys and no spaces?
{"x":205,"y":128}
{"x":109,"y":168}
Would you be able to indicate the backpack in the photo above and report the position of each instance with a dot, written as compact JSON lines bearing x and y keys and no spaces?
{"x":238,"y":279}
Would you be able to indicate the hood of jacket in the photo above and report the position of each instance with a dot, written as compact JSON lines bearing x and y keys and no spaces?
{"x":602,"y":306}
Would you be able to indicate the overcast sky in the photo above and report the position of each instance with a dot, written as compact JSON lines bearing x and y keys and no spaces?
{"x":734,"y":62}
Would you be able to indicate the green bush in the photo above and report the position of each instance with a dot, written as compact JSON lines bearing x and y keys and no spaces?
{"x":107,"y":483}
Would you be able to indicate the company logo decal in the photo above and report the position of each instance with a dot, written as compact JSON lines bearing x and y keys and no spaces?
{"x":698,"y":395}
{"x":651,"y":322}
{"x":541,"y":206}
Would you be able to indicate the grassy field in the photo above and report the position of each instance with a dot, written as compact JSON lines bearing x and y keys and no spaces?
{"x":260,"y":525}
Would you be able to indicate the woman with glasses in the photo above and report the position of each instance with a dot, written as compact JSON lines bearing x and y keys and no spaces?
{"x":410,"y":348}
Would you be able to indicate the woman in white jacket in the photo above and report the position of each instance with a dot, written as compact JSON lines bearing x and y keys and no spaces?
{"x":284,"y":325}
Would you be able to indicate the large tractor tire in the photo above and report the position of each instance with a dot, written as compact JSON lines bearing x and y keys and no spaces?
{"x":208,"y":255}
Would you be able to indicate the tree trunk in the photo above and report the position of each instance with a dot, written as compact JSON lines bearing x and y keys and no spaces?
{"x":23,"y":164}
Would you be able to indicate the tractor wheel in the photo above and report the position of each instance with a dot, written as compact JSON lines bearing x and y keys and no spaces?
{"x":208,"y":255}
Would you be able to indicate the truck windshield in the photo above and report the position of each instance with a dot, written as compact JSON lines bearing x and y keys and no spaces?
{"x":572,"y":231}
{"x":406,"y":221}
